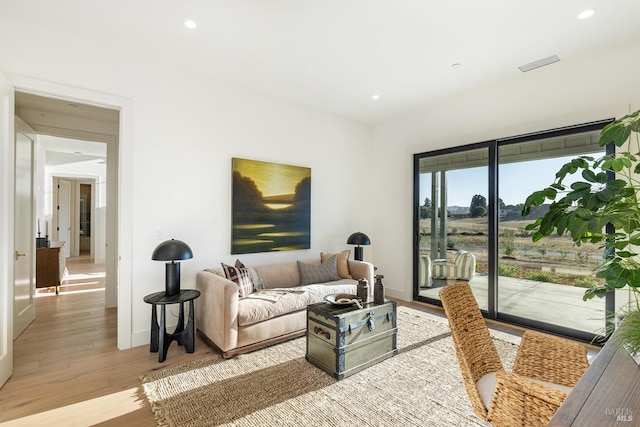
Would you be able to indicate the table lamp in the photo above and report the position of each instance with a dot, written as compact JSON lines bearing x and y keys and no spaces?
{"x":358,"y":239}
{"x":172,"y":250}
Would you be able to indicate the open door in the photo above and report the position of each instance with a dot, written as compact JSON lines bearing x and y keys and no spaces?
{"x":24,"y":291}
{"x":6,"y":227}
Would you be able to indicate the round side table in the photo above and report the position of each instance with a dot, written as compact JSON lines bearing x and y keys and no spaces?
{"x":160,"y":339}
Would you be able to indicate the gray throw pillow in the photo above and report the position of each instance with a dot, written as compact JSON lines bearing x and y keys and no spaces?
{"x":325,"y":272}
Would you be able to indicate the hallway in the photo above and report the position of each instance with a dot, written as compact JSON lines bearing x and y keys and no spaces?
{"x":67,"y":368}
{"x":83,"y":275}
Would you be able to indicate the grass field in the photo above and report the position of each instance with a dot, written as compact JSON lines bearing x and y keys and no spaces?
{"x":554,"y":259}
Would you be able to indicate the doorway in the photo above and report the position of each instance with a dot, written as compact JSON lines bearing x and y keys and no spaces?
{"x":78,"y":149}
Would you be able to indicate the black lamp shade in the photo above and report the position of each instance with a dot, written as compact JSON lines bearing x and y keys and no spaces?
{"x":172,"y":250}
{"x":358,"y":239}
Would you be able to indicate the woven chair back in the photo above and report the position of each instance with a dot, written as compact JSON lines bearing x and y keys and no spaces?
{"x":474,"y":346}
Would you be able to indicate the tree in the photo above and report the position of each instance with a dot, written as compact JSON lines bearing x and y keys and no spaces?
{"x":246,"y":195}
{"x":302,"y":195}
{"x":425,"y":210}
{"x":478,"y":206}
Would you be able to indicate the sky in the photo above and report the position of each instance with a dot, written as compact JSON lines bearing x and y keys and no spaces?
{"x":516,"y":181}
{"x":272,"y":179}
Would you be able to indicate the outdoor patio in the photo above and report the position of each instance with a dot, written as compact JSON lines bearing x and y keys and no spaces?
{"x":546,"y":302}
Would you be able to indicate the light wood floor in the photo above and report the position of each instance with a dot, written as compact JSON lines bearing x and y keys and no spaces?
{"x":67,"y":368}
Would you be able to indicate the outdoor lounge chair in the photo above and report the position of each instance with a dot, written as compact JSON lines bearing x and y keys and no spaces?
{"x":545,"y":370}
{"x":463,"y":267}
{"x":424,"y":271}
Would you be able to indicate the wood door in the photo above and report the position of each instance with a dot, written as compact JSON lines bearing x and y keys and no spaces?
{"x":24,"y":290}
{"x":7,"y":99}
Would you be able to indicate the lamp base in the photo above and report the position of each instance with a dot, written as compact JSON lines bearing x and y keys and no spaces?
{"x":358,"y":253}
{"x":172,"y":279}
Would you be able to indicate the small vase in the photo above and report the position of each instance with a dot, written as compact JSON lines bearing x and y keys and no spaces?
{"x":378,"y":290}
{"x":363,"y":290}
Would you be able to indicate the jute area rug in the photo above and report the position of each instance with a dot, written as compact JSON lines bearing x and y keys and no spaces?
{"x":276,"y":386}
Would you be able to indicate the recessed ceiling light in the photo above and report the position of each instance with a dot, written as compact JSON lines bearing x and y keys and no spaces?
{"x":190,"y":24}
{"x":455,"y":65}
{"x":587,"y":14}
{"x":375,"y":97}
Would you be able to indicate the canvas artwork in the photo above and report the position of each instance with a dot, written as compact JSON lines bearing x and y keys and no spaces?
{"x":271,"y":207}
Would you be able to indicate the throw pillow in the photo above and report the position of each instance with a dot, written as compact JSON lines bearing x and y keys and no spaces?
{"x":241,"y":277}
{"x":342,"y":262}
{"x":325,"y":272}
{"x":255,"y":276}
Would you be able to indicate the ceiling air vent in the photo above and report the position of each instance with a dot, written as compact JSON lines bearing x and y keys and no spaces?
{"x":539,"y":63}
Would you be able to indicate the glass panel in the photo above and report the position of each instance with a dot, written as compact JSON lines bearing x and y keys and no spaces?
{"x":542,"y":281}
{"x":453,"y":225}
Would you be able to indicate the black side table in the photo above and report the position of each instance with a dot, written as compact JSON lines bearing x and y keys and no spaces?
{"x":160,"y":339}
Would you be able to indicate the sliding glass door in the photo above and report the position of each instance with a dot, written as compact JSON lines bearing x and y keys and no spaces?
{"x":543,"y":282}
{"x":468,"y":202}
{"x":452,"y":218}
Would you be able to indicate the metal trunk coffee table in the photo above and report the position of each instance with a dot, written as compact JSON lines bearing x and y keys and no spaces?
{"x":344,"y":340}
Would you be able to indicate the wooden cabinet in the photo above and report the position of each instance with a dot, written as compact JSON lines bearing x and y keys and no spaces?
{"x":50,"y":266}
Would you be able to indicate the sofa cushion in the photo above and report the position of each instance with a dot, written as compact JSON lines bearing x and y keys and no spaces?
{"x":252,"y":310}
{"x":325,"y":272}
{"x":342,"y":262}
{"x":241,"y":276}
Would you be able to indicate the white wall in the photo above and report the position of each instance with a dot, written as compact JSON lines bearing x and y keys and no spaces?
{"x":182,"y":165}
{"x":186,"y":129}
{"x":570,"y":92}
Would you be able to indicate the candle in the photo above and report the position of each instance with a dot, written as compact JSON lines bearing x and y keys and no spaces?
{"x":38,"y":225}
{"x":46,"y":229}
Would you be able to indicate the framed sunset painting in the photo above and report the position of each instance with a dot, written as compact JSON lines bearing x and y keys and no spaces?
{"x":271,"y":207}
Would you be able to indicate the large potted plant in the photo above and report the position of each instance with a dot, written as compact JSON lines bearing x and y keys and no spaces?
{"x":603,"y":211}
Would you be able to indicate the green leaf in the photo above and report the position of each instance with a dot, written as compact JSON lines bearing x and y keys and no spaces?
{"x":589,"y":175}
{"x":602,"y":178}
{"x":617,"y":132}
{"x":599,"y":291}
{"x":605,"y":195}
{"x":625,"y":254}
{"x":617,"y":165}
{"x":581,"y":186}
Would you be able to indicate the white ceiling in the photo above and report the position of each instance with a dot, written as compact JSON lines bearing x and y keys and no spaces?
{"x":333,"y":55}
{"x":57,"y":121}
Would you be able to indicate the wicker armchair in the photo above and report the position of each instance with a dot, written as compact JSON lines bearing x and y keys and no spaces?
{"x":545,"y":369}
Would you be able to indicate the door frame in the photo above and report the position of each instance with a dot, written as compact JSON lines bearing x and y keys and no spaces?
{"x":119,"y":242}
